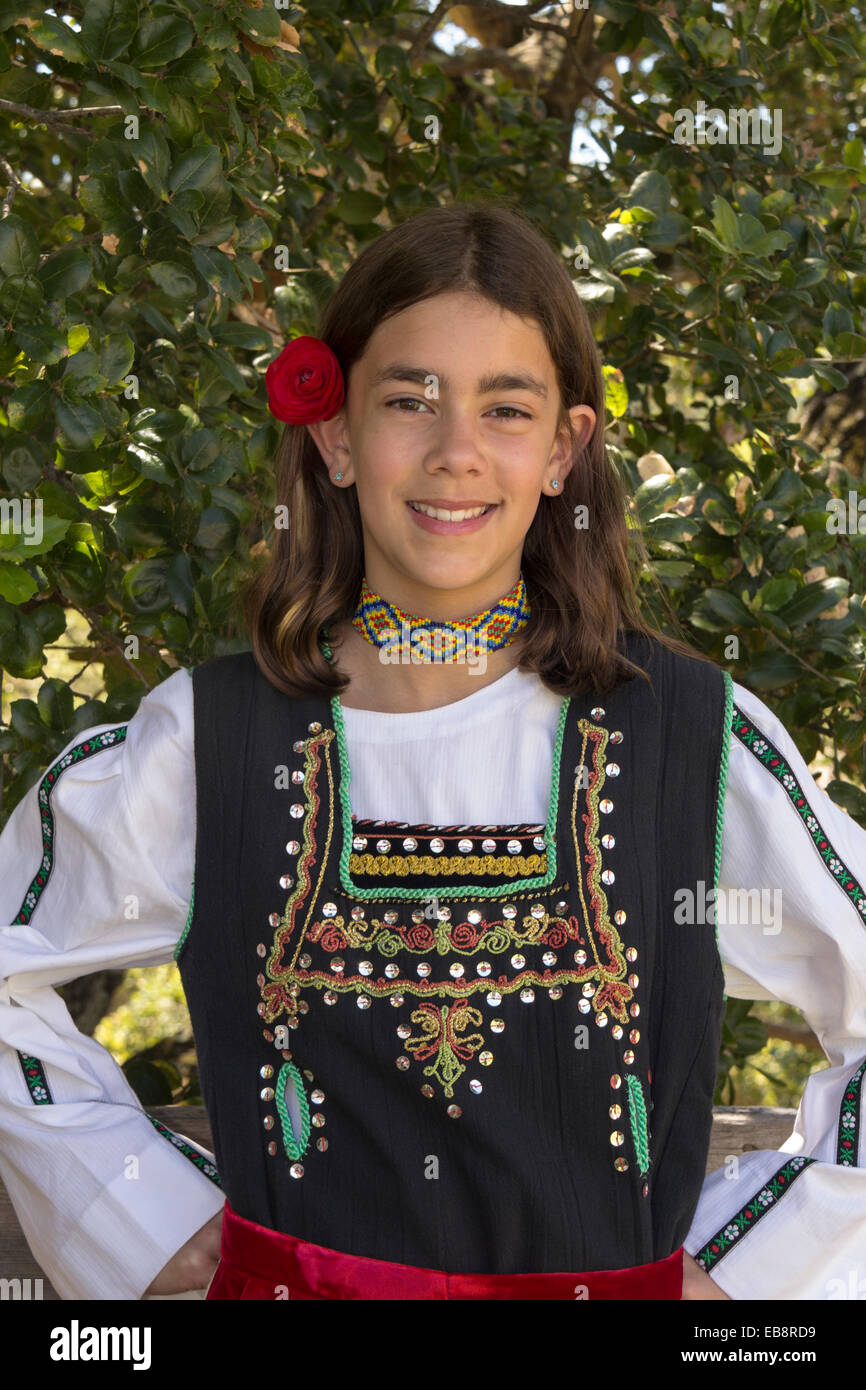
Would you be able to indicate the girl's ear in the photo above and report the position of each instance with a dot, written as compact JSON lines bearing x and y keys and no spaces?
{"x":330,"y":438}
{"x":562,"y":454}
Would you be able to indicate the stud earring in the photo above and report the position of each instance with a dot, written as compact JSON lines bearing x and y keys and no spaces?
{"x":338,"y":476}
{"x":555,"y":483}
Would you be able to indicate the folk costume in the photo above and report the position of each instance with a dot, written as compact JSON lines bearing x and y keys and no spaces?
{"x":452,"y":1030}
{"x":455,"y":993}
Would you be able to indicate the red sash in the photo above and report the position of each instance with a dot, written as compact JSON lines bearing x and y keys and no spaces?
{"x":257,"y":1263}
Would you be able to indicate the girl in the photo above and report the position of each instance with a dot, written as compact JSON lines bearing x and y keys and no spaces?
{"x":434,"y":860}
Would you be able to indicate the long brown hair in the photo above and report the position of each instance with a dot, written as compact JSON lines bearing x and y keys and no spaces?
{"x":579,"y":581}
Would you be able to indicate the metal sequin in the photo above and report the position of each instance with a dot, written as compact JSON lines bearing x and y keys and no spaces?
{"x":631,"y":953}
{"x":363,"y":1001}
{"x":616,"y":736}
{"x":616,"y":1081}
{"x":359,"y":842}
{"x":616,"y":1031}
{"x":292,"y":847}
{"x":473,"y":916}
{"x":297,"y":778}
{"x":483,"y":968}
{"x":619,"y":916}
{"x":366,"y":967}
{"x":464,"y":846}
{"x":383,"y":846}
{"x":620,"y":1163}
{"x":527,"y":995}
{"x":605,"y":806}
{"x":617,"y":1137}
{"x":297,"y":1170}
{"x":437,"y":845}
{"x":267,"y":1093}
{"x":634,"y":981}
{"x":612,"y":769}
{"x":485,"y":1058}
{"x":634,"y":1010}
{"x":628,"y":1056}
{"x":261,"y":949}
{"x":555,"y":993}
{"x":488,"y":846}
{"x":317,"y":1097}
{"x":427,"y":1090}
{"x":391,"y":970}
{"x":580,"y":957}
{"x":318,"y":1119}
{"x":615,"y":1111}
{"x":608,"y":841}
{"x":584,"y":1006}
{"x":518,"y":962}
{"x":402,"y":1063}
{"x":315,"y":728}
{"x":457,"y":970}
{"x":454,"y":1111}
{"x":494,"y":999}
{"x":268,"y":1122}
{"x":329,"y":910}
{"x":266,"y":1071}
{"x":597,"y":712}
{"x":475,"y":1087}
{"x":497,"y":1025}
{"x":601,"y":1020}
{"x":338,"y":965}
{"x":509,"y":912}
{"x":608,"y":876}
{"x":634,"y":1036}
{"x":423,"y":969}
{"x":272,"y":1148}
{"x":514,"y":846}
{"x":305,"y":961}
{"x":549,"y":958}
{"x":286,"y":881}
{"x":410,"y":844}
{"x":321,"y":1143}
{"x":330,"y":997}
{"x":296,"y":810}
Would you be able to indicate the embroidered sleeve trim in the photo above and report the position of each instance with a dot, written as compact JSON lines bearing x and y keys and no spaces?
{"x":34,"y":1072}
{"x":200,"y":1160}
{"x":849,"y":1120}
{"x":767,"y":1197}
{"x":770,"y":757}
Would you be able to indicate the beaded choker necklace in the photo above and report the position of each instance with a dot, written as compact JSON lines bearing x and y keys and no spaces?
{"x":387,"y":626}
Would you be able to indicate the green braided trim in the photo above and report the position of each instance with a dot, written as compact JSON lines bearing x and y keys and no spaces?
{"x":637,"y":1115}
{"x":478,"y":891}
{"x":723,"y":782}
{"x":179,"y":947}
{"x":289,"y":1072}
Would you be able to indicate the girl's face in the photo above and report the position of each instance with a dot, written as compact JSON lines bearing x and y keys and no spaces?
{"x":452,"y":407}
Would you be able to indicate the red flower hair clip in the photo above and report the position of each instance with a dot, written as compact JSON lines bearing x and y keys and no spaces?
{"x":305,"y":383}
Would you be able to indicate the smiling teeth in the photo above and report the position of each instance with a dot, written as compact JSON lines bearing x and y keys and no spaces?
{"x":449,"y":515}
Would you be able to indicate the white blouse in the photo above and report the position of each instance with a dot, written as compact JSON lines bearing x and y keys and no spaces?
{"x":121,"y":858}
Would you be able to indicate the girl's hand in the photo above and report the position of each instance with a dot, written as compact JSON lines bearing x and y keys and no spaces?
{"x":697,"y":1283}
{"x":193,"y":1265}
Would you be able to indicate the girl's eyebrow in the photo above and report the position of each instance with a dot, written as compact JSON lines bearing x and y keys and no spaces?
{"x":501,"y":381}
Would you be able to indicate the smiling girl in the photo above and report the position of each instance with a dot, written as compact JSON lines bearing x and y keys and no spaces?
{"x":455,"y":1039}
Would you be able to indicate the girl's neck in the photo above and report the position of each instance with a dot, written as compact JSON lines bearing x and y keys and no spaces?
{"x":404,"y":687}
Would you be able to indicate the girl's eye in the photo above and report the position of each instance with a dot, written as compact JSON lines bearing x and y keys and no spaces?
{"x":413,"y":400}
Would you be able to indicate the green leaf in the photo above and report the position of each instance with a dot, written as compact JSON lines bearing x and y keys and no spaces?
{"x":725,"y":222}
{"x":16,"y":584}
{"x":55,"y":36}
{"x":243,"y":335}
{"x":159,"y":41}
{"x":144,"y":585}
{"x":358,"y":206}
{"x":833,"y":378}
{"x":811,"y":600}
{"x":81,"y":424}
{"x":615,"y":391}
{"x":175,"y":280}
{"x":28,"y":405}
{"x":650,"y":190}
{"x":196,"y":169}
{"x":771,"y":669}
{"x":116,"y":355}
{"x":64,"y":273}
{"x":19,"y":249}
{"x":774,"y":594}
{"x":23,"y":546}
{"x":107,"y":28}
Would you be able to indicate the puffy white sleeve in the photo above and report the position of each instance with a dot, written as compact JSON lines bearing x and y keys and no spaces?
{"x":96,"y":866}
{"x":791,"y":1224}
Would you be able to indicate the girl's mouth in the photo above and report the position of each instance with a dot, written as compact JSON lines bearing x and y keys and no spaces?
{"x":450,"y":520}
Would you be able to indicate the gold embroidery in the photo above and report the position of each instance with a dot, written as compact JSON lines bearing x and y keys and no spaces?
{"x":513,"y":866}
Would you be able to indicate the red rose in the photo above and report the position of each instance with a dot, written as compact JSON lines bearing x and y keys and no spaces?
{"x":305,"y":383}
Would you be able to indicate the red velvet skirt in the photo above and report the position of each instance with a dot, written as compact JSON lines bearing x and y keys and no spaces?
{"x":258,"y":1263}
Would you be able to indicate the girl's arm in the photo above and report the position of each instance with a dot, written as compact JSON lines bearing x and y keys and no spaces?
{"x":791,"y":1224}
{"x":96,"y":864}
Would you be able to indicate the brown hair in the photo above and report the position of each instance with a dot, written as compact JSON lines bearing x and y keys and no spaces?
{"x":579,"y":583}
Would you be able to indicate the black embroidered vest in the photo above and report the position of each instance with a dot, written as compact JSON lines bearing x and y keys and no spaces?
{"x":484,"y":1049}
